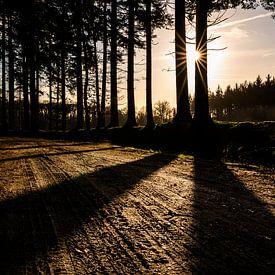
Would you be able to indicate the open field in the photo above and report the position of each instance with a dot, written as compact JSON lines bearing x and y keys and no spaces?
{"x":95,"y":208}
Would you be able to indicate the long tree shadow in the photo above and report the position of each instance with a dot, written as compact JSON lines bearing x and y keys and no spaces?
{"x":233,"y":229}
{"x":63,"y":152}
{"x":40,"y":146}
{"x":33,"y":223}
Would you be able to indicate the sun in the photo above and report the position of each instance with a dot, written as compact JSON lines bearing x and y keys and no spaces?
{"x":195,"y":55}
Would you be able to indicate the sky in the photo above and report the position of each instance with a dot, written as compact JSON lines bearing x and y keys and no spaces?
{"x":249,"y":38}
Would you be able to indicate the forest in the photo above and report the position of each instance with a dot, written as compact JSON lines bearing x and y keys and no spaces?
{"x":63,"y":63}
{"x":89,"y":186}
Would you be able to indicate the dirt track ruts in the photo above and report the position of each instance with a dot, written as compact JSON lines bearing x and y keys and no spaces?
{"x":87,"y":208}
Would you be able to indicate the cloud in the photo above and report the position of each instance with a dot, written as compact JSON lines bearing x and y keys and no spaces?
{"x":236,"y":33}
{"x":238,"y":22}
{"x":252,"y":53}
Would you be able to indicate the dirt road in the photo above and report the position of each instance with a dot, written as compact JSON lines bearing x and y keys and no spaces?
{"x":83,"y":208}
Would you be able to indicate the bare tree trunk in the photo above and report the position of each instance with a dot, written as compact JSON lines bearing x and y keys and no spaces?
{"x":11,"y":78}
{"x":202,"y":115}
{"x":183,"y":107}
{"x":114,"y":104}
{"x":97,"y":83}
{"x":26,"y":122}
{"x":57,"y":97}
{"x":37,"y":94}
{"x":131,"y":120}
{"x":50,"y":98}
{"x":101,"y":122}
{"x":63,"y":89}
{"x":63,"y":75}
{"x":32,"y":64}
{"x":4,"y":111}
{"x":80,"y":113}
{"x":149,"y":109}
{"x":86,"y":85}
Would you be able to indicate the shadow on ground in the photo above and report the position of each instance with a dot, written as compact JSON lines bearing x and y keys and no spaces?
{"x":233,"y":229}
{"x":32,"y":224}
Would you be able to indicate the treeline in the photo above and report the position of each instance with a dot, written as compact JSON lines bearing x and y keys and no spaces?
{"x":246,"y":101}
{"x":70,"y":52}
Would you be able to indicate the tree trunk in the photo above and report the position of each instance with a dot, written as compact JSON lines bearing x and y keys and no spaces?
{"x":183,"y":106}
{"x":63,"y":89}
{"x":149,"y":109}
{"x":11,"y":78}
{"x":96,"y":83}
{"x":63,"y":74}
{"x":131,"y":120}
{"x":202,"y":115}
{"x":57,"y":96}
{"x":32,"y":64}
{"x":79,"y":84}
{"x":37,"y":93}
{"x":114,"y":104}
{"x":104,"y":69}
{"x":86,"y":85}
{"x":26,"y":121}
{"x":51,"y":98}
{"x":4,"y":111}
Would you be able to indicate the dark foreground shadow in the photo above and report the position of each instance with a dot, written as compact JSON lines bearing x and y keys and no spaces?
{"x":32,"y":224}
{"x":62,"y":152}
{"x":38,"y":146}
{"x":233,"y":229}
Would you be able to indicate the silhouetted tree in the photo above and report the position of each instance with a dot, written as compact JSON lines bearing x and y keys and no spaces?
{"x":4,"y":111}
{"x":148,"y":25}
{"x":79,"y":84}
{"x":131,"y":120}
{"x":183,"y":106}
{"x":114,"y":30}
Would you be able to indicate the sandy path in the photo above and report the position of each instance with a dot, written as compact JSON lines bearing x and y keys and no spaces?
{"x":84,"y":208}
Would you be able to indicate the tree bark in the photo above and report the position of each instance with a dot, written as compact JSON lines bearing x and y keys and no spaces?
{"x":86,"y":85}
{"x":57,"y":97}
{"x":50,"y":98}
{"x":183,"y":106}
{"x":32,"y":65}
{"x":79,"y":84}
{"x":63,"y":74}
{"x":149,"y":109}
{"x":131,"y":120}
{"x":4,"y":111}
{"x":202,"y":115}
{"x":96,"y":82}
{"x":104,"y":69}
{"x":63,"y":89}
{"x":26,"y":121}
{"x":11,"y":77}
{"x":114,"y":104}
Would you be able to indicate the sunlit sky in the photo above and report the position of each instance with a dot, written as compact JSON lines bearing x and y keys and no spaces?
{"x":249,"y":38}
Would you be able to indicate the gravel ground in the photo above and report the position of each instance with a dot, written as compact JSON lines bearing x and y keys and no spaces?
{"x":95,"y":208}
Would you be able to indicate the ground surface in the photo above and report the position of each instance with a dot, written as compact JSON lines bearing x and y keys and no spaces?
{"x":82,"y":208}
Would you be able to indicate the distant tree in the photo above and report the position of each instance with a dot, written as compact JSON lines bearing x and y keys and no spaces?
{"x":248,"y":100}
{"x":142,"y":117}
{"x":162,"y":112}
